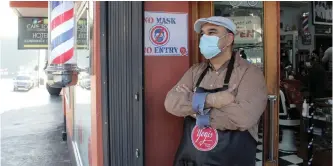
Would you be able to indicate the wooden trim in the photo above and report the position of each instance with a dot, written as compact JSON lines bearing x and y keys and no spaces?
{"x":200,"y":9}
{"x":194,"y":15}
{"x":272,"y":73}
{"x":96,"y":95}
{"x":206,"y":9}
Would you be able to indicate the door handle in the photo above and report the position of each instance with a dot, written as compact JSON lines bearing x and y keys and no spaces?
{"x":272,"y":99}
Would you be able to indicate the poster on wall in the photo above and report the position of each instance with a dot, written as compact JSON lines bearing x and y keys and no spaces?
{"x":166,"y":34}
{"x":322,"y":12}
{"x":248,"y":29}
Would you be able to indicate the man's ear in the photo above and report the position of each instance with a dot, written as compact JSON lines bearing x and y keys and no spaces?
{"x":230,"y":39}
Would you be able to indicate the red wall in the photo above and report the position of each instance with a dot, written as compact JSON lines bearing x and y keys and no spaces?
{"x":162,"y":130}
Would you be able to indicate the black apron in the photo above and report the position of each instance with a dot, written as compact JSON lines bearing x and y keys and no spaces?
{"x":232,"y":148}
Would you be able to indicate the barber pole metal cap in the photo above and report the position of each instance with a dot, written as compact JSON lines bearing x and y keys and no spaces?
{"x":204,"y":139}
{"x":62,"y":63}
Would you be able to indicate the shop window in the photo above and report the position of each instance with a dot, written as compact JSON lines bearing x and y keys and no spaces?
{"x":82,"y":93}
{"x":248,"y":17}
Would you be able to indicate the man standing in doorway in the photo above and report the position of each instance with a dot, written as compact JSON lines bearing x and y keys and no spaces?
{"x":226,"y":94}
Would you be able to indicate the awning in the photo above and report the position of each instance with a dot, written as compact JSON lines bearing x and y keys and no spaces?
{"x":29,"y":8}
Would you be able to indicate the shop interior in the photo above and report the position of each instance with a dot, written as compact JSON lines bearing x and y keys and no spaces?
{"x":305,"y":83}
{"x":305,"y":80}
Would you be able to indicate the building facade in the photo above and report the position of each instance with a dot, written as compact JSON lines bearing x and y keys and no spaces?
{"x":133,"y":53}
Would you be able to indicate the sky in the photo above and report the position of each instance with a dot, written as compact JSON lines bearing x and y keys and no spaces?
{"x":8,"y":20}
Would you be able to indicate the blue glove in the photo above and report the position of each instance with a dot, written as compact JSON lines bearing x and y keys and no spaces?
{"x":198,"y":102}
{"x":203,"y":120}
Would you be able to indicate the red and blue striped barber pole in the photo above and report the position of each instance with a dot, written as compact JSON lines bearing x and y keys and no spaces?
{"x":305,"y":23}
{"x":62,"y":23}
{"x":305,"y":32}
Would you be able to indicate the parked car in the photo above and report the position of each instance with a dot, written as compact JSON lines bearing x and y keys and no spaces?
{"x":23,"y":82}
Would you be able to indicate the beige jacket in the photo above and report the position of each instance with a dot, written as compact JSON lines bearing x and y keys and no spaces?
{"x":250,"y":96}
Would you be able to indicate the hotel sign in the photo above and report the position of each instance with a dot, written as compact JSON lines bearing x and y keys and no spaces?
{"x":33,"y":33}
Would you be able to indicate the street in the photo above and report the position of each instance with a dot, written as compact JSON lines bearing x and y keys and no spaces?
{"x":31,"y":126}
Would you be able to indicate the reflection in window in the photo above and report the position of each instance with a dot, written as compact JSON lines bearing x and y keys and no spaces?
{"x":82,"y":109}
{"x":248,"y":17}
{"x":82,"y":46}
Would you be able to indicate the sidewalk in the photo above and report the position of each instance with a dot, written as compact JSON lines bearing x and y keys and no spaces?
{"x":32,"y":136}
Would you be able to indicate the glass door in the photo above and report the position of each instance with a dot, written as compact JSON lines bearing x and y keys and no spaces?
{"x":257,"y":38}
{"x":249,"y":19}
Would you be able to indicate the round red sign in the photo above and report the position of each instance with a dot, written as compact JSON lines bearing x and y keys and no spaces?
{"x":204,"y":139}
{"x":182,"y":51}
{"x":159,"y":35}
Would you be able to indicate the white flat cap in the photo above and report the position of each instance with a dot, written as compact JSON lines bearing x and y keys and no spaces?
{"x":216,"y":20}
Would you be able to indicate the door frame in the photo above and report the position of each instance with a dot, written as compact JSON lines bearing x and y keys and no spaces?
{"x":104,"y":80}
{"x":272,"y":76}
{"x":271,"y":11}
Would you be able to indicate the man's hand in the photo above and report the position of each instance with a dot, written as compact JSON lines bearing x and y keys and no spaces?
{"x":183,"y":88}
{"x":220,"y":99}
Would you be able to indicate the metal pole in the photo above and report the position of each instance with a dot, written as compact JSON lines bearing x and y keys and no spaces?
{"x":272,"y":99}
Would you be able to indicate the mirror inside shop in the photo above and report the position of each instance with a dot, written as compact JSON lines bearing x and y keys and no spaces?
{"x":305,"y":118}
{"x":305,"y":103}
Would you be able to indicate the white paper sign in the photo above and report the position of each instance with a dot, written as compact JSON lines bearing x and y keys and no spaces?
{"x":248,"y":29}
{"x":166,"y":34}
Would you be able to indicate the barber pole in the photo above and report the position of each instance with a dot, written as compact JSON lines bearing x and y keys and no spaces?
{"x":306,"y":35}
{"x":305,"y":23}
{"x":62,"y":67}
{"x":61,"y":24}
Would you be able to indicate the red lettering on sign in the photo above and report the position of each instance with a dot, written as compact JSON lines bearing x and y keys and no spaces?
{"x":204,"y":139}
{"x":246,"y":33}
{"x":148,"y":50}
{"x":149,"y":20}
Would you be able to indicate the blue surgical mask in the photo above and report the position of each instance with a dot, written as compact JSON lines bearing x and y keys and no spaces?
{"x":209,"y":46}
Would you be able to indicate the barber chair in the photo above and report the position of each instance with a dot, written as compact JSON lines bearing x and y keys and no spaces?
{"x":289,"y":117}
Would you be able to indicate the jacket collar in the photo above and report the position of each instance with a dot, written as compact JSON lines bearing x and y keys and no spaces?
{"x":238,"y":61}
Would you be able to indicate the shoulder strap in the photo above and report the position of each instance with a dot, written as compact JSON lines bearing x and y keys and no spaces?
{"x":229,"y":71}
{"x":227,"y":76}
{"x":202,"y":76}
